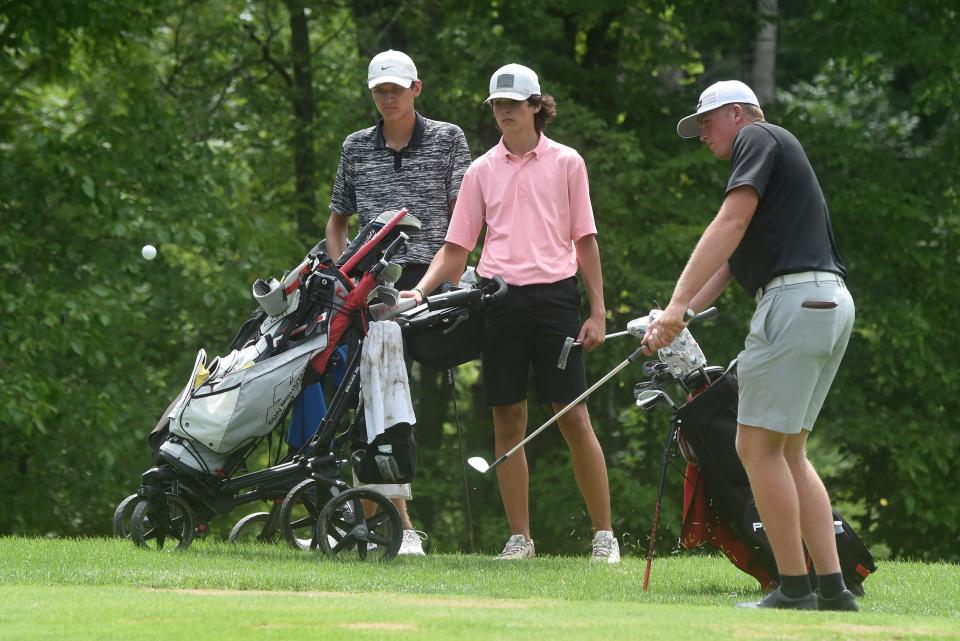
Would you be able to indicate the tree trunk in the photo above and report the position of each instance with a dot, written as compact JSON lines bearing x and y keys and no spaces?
{"x":302,"y":96}
{"x":765,"y":52}
{"x":377,"y":27}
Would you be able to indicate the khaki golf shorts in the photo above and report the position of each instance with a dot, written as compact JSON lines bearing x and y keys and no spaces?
{"x":798,"y":336}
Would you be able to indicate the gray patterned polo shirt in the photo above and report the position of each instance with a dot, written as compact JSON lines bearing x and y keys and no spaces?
{"x":424,"y":177}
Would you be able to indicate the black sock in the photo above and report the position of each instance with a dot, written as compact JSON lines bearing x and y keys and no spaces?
{"x":830,"y":585}
{"x":795,"y":586}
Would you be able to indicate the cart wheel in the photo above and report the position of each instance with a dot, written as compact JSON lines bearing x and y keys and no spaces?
{"x":121,"y":516}
{"x":299,"y":513}
{"x":149,"y":528}
{"x":253,"y":528}
{"x":342,"y":527}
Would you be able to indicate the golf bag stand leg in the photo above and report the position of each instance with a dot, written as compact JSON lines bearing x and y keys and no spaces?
{"x":656,"y":515}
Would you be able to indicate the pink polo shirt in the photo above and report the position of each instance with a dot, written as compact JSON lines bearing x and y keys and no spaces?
{"x":534,"y":207}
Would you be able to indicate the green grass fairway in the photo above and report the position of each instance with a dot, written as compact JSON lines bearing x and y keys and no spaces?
{"x":107,"y":589}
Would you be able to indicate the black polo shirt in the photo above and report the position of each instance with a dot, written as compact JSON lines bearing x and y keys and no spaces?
{"x":424,"y":177}
{"x":790,"y":231}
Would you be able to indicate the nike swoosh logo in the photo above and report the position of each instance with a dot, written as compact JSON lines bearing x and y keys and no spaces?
{"x":382,"y":68}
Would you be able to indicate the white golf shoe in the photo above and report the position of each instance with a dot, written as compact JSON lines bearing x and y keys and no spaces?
{"x":412,"y":543}
{"x":517,"y":547}
{"x":606,"y":549}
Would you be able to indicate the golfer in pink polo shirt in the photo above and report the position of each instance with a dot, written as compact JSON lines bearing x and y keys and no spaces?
{"x":533,"y":196}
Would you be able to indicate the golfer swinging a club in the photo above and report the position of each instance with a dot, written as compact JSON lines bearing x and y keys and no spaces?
{"x":533,"y":196}
{"x":773,"y":234}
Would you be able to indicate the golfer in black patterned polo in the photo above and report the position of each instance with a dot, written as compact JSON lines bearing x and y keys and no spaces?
{"x":409,"y":161}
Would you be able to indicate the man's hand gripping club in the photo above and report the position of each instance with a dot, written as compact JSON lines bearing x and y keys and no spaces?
{"x":665,"y":328}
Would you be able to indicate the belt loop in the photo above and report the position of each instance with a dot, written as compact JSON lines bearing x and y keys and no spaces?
{"x":816,"y":277}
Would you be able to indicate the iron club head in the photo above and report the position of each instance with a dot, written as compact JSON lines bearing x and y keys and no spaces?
{"x":388,"y":295}
{"x":391,"y":273}
{"x":649,"y":398}
{"x":478,"y":463}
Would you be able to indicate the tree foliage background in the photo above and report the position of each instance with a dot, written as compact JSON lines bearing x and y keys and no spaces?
{"x":212,"y":130}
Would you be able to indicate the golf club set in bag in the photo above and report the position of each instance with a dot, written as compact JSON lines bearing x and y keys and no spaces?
{"x":718,"y":506}
{"x":312,"y":321}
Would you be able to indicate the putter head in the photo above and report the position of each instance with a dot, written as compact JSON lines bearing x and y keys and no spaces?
{"x":565,"y":352}
{"x":478,"y":463}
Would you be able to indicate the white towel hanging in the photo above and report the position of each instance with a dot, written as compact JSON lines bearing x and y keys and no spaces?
{"x":383,"y":379}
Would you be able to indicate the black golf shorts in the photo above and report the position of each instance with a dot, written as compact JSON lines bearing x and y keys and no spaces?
{"x":528,"y":327}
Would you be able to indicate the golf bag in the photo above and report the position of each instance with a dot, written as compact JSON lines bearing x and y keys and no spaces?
{"x":390,"y":458}
{"x":232,"y":401}
{"x":719,"y":508}
{"x":448,"y":337}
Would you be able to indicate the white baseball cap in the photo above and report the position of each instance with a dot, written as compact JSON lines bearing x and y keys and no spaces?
{"x":716,"y":95}
{"x":515,"y":82}
{"x":391,"y":66}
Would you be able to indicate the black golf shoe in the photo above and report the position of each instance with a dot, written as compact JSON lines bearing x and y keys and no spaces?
{"x":779,"y":600}
{"x":843,"y":602}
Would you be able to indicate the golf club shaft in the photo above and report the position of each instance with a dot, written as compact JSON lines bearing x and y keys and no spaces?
{"x":608,"y":336}
{"x":556,"y":416}
{"x":463,"y":459}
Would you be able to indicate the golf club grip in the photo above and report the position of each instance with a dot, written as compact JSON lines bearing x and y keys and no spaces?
{"x":707,"y":314}
{"x":607,"y":337}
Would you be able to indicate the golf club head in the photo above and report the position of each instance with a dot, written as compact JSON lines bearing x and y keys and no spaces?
{"x":565,"y":352}
{"x":650,"y":398}
{"x":382,"y":311}
{"x":388,"y":295}
{"x":478,"y":463}
{"x":643,"y":386}
{"x":391,"y":273}
{"x":652,"y":368}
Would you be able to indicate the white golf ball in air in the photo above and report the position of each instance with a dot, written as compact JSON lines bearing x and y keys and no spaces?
{"x":149,"y":252}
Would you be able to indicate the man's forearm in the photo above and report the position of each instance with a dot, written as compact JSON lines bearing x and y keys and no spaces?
{"x":447,"y":265}
{"x":717,"y":283}
{"x":336,"y":235}
{"x":713,"y":250}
